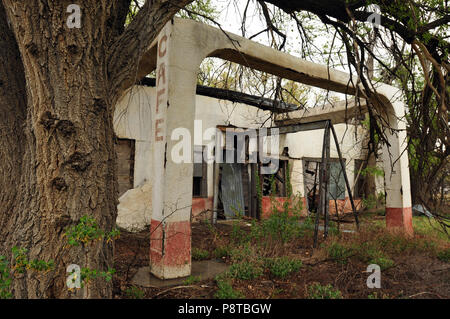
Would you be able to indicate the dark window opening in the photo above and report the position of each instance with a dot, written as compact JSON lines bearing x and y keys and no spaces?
{"x":125,"y":149}
{"x":336,"y":182}
{"x":200,"y":181}
{"x":276,"y":184}
{"x":336,"y":186}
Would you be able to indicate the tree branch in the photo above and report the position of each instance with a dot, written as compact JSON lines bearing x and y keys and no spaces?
{"x":126,"y":52}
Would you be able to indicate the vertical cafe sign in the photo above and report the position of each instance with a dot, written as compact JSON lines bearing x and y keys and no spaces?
{"x":160,"y":122}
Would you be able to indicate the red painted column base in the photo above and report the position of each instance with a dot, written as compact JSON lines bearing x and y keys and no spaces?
{"x":399,"y":219}
{"x":170,"y":249}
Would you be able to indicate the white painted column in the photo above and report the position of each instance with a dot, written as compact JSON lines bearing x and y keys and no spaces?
{"x":170,"y":248}
{"x":396,"y":170}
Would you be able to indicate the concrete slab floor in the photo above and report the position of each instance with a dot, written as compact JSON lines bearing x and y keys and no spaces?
{"x":206,"y":269}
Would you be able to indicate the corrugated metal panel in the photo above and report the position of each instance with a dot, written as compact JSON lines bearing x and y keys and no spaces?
{"x":232,"y":190}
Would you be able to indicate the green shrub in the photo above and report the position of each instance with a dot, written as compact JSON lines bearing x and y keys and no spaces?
{"x":395,"y":244}
{"x":243,"y":252}
{"x":368,"y":252}
{"x":283,"y":266}
{"x":5,"y":279}
{"x":339,"y":253}
{"x":134,"y":293}
{"x":245,"y":270}
{"x":20,"y":265}
{"x":87,"y":274}
{"x":238,"y":236}
{"x":373,"y":295}
{"x":383,"y":262}
{"x":88,"y":230}
{"x":280,"y":226}
{"x":199,"y":254}
{"x":21,"y":262}
{"x":222,"y":252}
{"x":226,"y":290}
{"x":333,"y":228}
{"x":191,"y":280}
{"x":444,"y":255}
{"x":317,"y":291}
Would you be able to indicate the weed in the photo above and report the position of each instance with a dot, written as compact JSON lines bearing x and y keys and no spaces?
{"x":5,"y":279}
{"x":429,"y":227}
{"x":191,"y":280}
{"x":245,"y":270}
{"x":383,"y":262}
{"x":368,"y":252}
{"x":282,"y":266}
{"x":222,"y":252}
{"x":280,"y":226}
{"x":134,"y":293}
{"x":199,"y":254}
{"x":444,"y":255}
{"x":226,"y":290}
{"x":89,"y":274}
{"x":238,"y":236}
{"x":21,"y":264}
{"x":371,"y":200}
{"x":375,"y":295}
{"x":88,"y":230}
{"x":211,"y":229}
{"x":317,"y":291}
{"x":243,"y":252}
{"x":339,"y":253}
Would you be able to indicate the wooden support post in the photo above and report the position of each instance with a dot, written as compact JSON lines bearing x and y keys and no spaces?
{"x":322,"y":184}
{"x":216,"y":191}
{"x":349,"y":190}
{"x":253,"y":191}
{"x":326,"y":179}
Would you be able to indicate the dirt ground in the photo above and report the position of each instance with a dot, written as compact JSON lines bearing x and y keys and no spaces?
{"x":416,"y":275}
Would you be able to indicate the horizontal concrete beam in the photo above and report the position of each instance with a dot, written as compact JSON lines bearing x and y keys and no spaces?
{"x":338,"y":112}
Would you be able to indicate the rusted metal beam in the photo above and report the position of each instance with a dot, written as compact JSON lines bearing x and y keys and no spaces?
{"x":237,"y":97}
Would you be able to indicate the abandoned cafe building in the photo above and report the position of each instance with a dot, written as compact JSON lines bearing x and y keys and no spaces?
{"x":166,"y":195}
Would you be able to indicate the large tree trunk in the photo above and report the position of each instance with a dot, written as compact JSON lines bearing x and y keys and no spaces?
{"x":70,"y":143}
{"x":12,"y":129}
{"x":57,"y":137}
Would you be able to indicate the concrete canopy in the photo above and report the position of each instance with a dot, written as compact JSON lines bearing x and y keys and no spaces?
{"x":176,"y":55}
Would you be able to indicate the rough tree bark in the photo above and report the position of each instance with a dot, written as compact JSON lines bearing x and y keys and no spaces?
{"x":72,"y":148}
{"x":59,"y":149}
{"x":12,"y":124}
